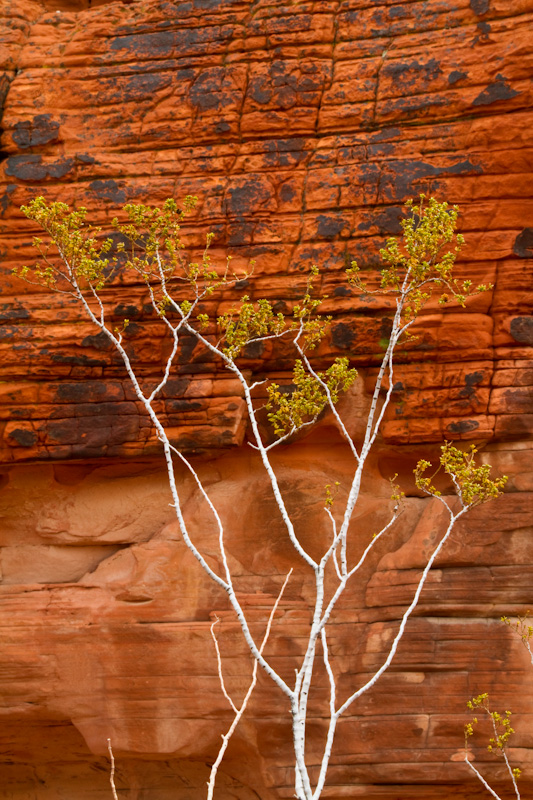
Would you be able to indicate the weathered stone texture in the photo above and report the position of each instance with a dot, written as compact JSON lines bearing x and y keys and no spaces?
{"x":302,"y":127}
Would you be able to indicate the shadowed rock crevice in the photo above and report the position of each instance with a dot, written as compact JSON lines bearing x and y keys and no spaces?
{"x":81,"y":5}
{"x":46,"y":564}
{"x":5,"y":82}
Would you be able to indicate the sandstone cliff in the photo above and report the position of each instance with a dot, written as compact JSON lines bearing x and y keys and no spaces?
{"x":302,"y":127}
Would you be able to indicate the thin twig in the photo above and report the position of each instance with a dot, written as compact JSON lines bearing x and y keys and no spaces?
{"x":219,"y":666}
{"x":112,"y":772}
{"x":238,"y":713}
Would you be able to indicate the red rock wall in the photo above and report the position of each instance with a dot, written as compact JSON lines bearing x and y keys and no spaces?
{"x":302,"y":128}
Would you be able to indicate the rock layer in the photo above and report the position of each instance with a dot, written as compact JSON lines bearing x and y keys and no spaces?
{"x":302,"y":128}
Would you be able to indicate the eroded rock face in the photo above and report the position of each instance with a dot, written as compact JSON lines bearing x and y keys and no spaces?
{"x":120,"y":646}
{"x":302,"y":128}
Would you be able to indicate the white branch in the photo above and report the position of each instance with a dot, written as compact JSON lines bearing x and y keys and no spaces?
{"x":112,"y":771}
{"x":219,"y":666}
{"x":239,"y":712}
{"x":332,"y":719}
{"x":481,"y":778}
{"x":504,"y":754}
{"x":392,"y":652}
{"x":260,"y":446}
{"x":330,"y":403}
{"x":228,"y":583}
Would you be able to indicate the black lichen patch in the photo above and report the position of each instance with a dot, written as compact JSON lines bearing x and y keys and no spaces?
{"x":455,"y":76}
{"x":85,"y":158}
{"x":385,"y":329}
{"x":126,"y":311}
{"x":471,"y":381}
{"x":31,"y":168}
{"x":12,"y":311}
{"x":158,"y":44}
{"x":386,"y":133}
{"x":480,"y":7}
{"x":175,"y":387}
{"x":23,"y":437}
{"x":463,"y":426}
{"x":137,"y":87}
{"x":522,"y":330}
{"x":98,"y":341}
{"x":285,"y":152}
{"x":387,"y":220}
{"x":78,"y":360}
{"x":260,"y":90}
{"x":497,"y":91}
{"x":208,"y":91}
{"x":329,"y":226}
{"x":398,"y":12}
{"x":210,"y":5}
{"x":247,"y":196}
{"x":240,"y":233}
{"x":411,"y":74}
{"x":5,"y":199}
{"x":287,"y":193}
{"x":8,"y":332}
{"x":401,"y":176}
{"x":108,"y":190}
{"x":342,"y":291}
{"x":523,"y":246}
{"x":83,"y":391}
{"x":180,"y":406}
{"x":39,"y":131}
{"x":483,"y":29}
{"x":342,"y":336}
{"x":188,"y":345}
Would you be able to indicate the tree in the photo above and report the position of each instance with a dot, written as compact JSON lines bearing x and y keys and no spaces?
{"x":500,"y":724}
{"x":77,"y":261}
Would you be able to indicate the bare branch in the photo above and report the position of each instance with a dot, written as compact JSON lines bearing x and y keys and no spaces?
{"x":112,"y":771}
{"x":394,"y":646}
{"x":219,"y":665}
{"x":239,"y":712}
{"x":481,"y":778}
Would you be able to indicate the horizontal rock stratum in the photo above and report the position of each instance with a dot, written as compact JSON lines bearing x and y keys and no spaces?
{"x":302,"y":127}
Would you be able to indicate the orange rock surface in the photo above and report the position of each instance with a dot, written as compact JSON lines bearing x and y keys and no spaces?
{"x":302,"y":128}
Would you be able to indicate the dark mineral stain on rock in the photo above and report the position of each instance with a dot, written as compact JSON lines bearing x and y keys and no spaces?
{"x":480,"y":7}
{"x":32,"y":168}
{"x":38,"y":131}
{"x":463,"y":426}
{"x":108,"y":190}
{"x":342,"y":336}
{"x":471,"y":380}
{"x":24,"y":438}
{"x":329,"y":226}
{"x":455,"y":76}
{"x":497,"y":91}
{"x":522,"y":330}
{"x":523,"y":246}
